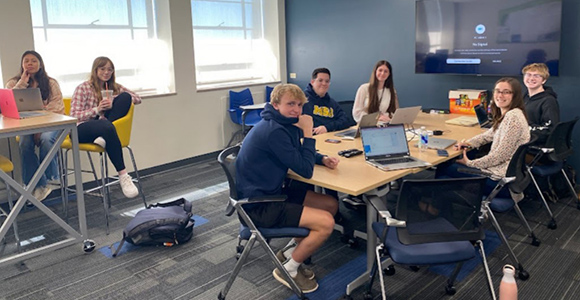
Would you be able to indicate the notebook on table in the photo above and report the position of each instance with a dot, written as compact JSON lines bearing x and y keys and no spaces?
{"x":369,"y":120}
{"x":387,"y":149}
{"x":463,"y":121}
{"x":405,"y":115}
{"x":21,"y":103}
{"x":440,"y":143}
{"x":482,"y":118}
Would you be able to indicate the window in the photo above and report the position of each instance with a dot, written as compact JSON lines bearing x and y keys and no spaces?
{"x":235,"y":42}
{"x":71,"y":34}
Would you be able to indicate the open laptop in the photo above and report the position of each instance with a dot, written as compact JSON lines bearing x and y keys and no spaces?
{"x":484,"y":121}
{"x":440,"y":143}
{"x":405,"y":115}
{"x":387,"y":149}
{"x":21,"y":103}
{"x":369,"y":120}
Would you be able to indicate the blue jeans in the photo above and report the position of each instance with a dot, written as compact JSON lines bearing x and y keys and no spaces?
{"x":30,"y":161}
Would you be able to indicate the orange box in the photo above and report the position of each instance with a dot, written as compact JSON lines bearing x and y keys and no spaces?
{"x":463,"y":101}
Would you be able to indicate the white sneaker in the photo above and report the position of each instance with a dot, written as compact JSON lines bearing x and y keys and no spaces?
{"x":129,"y":189}
{"x":41,"y":192}
{"x":100,"y":141}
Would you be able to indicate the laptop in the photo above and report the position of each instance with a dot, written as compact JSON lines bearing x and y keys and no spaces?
{"x":484,"y":121}
{"x":21,"y":103}
{"x":463,"y":121}
{"x":369,"y":120}
{"x":405,"y":115}
{"x":440,"y":143}
{"x":387,"y":149}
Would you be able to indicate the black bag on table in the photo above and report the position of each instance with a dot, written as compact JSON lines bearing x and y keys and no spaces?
{"x":164,"y":224}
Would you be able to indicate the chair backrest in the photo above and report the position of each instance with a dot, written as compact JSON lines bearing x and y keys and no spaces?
{"x":561,"y":140}
{"x":517,"y":169}
{"x":237,"y":99}
{"x":227,"y":159}
{"x":66,"y":102}
{"x":347,"y":108}
{"x":269,"y":90}
{"x":124,"y":127}
{"x":451,"y":207}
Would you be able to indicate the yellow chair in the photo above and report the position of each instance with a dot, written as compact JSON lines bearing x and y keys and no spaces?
{"x":124,"y":128}
{"x":7,"y":166}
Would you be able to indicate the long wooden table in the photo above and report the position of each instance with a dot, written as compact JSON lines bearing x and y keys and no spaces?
{"x":65,"y":125}
{"x":354,"y":176}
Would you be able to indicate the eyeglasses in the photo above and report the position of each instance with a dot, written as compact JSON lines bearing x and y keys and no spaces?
{"x":537,"y":76}
{"x":504,"y":92}
{"x":323,"y":81}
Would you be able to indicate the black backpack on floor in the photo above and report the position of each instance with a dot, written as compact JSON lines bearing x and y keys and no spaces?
{"x":164,"y":224}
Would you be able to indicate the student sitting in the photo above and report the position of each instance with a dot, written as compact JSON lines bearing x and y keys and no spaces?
{"x":96,"y":112}
{"x":33,"y":75}
{"x":377,"y":95}
{"x":271,"y":148}
{"x":326,"y":113}
{"x":509,"y":131}
{"x":540,"y":101}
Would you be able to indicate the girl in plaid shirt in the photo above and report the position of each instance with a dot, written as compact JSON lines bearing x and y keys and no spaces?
{"x":96,"y":112}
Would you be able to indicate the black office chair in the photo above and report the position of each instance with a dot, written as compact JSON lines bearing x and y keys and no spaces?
{"x":438,"y":221}
{"x":346,"y":106}
{"x":249,"y":231}
{"x":557,"y":149}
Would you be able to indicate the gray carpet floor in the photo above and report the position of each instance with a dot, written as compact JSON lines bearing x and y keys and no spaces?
{"x":199,"y":268}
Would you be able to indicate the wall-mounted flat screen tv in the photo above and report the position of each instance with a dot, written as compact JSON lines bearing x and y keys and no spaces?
{"x":486,"y":37}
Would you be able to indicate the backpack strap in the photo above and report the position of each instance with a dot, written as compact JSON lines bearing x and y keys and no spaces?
{"x":114,"y":254}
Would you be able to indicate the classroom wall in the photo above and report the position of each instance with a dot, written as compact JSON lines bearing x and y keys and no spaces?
{"x":349,"y":37}
{"x":166,"y":128}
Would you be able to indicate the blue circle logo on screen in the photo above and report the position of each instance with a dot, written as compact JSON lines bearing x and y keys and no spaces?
{"x":480,"y":29}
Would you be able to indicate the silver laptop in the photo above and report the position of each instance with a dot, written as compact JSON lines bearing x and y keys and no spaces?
{"x":484,"y":121}
{"x":405,"y":115}
{"x":387,"y":149}
{"x":29,"y":102}
{"x":440,"y":143}
{"x":369,"y":120}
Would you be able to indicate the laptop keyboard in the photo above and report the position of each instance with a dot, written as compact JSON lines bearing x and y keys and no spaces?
{"x":395,"y":160}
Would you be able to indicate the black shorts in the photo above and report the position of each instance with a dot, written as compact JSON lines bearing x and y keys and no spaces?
{"x":281,"y":214}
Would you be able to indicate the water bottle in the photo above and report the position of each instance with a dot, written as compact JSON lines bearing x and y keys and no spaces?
{"x":508,"y":290}
{"x":423,"y":139}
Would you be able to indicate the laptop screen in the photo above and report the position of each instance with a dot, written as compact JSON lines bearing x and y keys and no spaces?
{"x":481,"y":114}
{"x":383,"y":142}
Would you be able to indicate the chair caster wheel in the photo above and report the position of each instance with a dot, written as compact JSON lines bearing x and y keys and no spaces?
{"x":414,"y":268}
{"x":239,"y":249}
{"x":89,"y":246}
{"x":523,"y":275}
{"x":389,"y":271}
{"x":552,"y":225}
{"x":368,"y":296}
{"x":450,"y":290}
{"x":535,"y":242}
{"x":221,"y":297}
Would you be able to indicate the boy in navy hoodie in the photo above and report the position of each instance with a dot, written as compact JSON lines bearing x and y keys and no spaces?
{"x":327,"y":114}
{"x":271,"y":148}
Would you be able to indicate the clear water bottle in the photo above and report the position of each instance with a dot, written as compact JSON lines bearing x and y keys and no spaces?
{"x":423,"y":139}
{"x":508,"y":290}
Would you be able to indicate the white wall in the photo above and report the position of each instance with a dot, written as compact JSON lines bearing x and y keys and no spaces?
{"x":166,"y":128}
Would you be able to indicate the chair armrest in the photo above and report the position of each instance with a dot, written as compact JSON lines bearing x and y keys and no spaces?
{"x":544,"y":150}
{"x":381,"y":208}
{"x":479,"y":172}
{"x":263,"y":199}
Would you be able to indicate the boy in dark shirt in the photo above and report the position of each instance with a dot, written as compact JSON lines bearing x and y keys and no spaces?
{"x":271,"y":148}
{"x":540,"y":101}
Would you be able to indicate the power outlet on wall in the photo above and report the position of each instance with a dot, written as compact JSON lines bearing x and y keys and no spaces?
{"x":293,"y":75}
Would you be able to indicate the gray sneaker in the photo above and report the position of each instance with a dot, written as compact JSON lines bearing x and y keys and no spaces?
{"x":302,"y":269}
{"x":305,"y":284}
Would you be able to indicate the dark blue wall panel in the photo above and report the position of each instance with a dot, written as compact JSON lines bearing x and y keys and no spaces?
{"x":349,"y":37}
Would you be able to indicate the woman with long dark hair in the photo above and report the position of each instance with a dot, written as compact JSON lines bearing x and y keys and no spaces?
{"x":33,"y":75}
{"x":377,"y":95}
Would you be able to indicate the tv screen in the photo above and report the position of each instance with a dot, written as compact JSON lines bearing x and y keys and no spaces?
{"x":486,"y":37}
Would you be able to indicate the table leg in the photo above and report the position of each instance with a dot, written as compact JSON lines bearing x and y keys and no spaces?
{"x":79,"y":183}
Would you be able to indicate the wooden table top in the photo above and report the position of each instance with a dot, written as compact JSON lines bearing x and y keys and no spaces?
{"x":354,"y":176}
{"x":8,"y":125}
